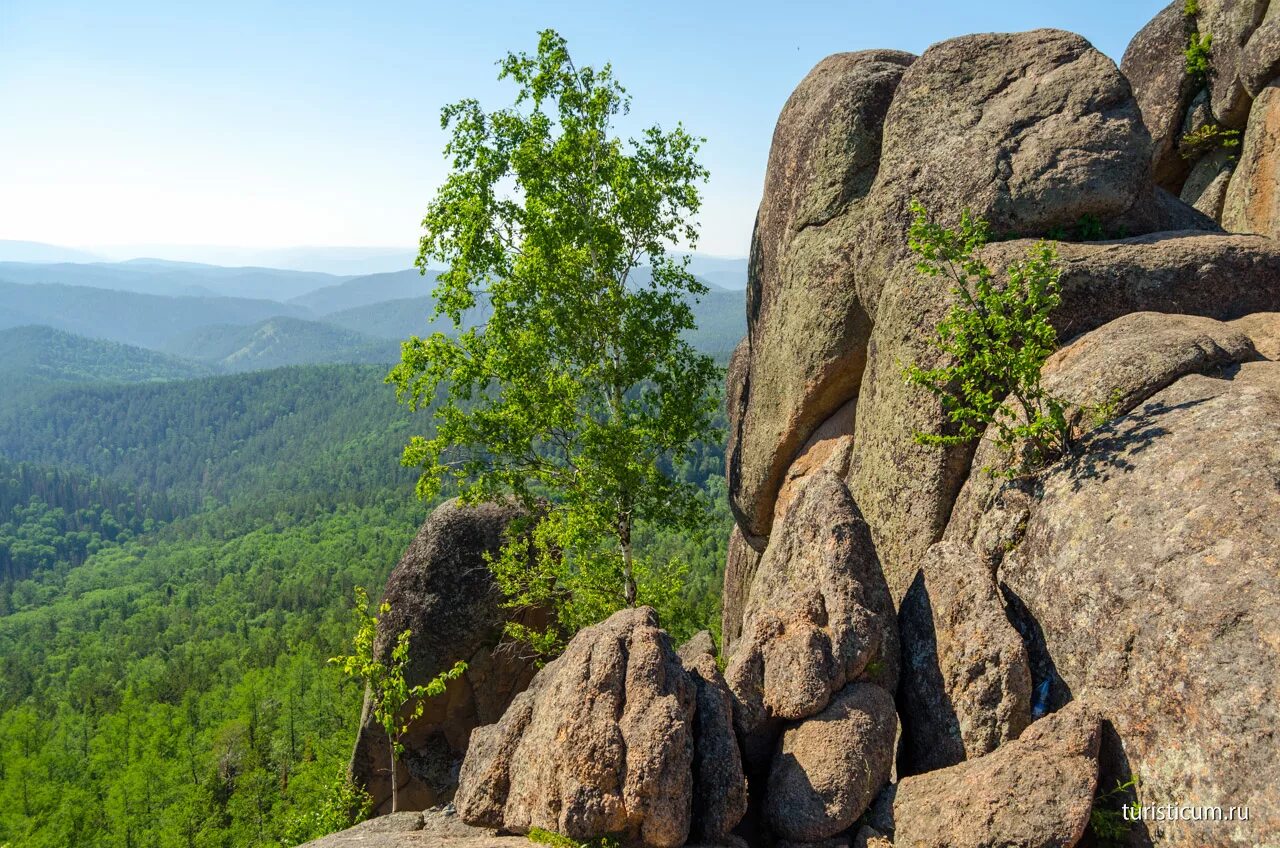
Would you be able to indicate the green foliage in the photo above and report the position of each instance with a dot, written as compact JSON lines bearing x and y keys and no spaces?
{"x":306,"y":429}
{"x":1191,"y":8}
{"x":994,"y":341}
{"x":345,"y":805}
{"x":389,"y":692}
{"x":42,"y":355}
{"x":1088,"y":228}
{"x":1106,"y":819}
{"x":581,"y":390}
{"x":1198,"y":55}
{"x":164,"y":683}
{"x":172,"y":689}
{"x":540,"y":836}
{"x":1210,"y":137}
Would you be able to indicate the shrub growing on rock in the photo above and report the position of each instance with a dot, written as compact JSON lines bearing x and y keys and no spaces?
{"x":996,"y":338}
{"x":396,"y":704}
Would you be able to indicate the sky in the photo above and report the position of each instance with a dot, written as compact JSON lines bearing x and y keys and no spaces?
{"x":266,"y":124}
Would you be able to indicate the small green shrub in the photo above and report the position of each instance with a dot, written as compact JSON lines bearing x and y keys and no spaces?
{"x":557,"y":840}
{"x":1106,"y":819}
{"x":345,"y":805}
{"x":1087,"y":228}
{"x":1191,"y":8}
{"x":1198,"y":55}
{"x":995,"y":340}
{"x":1195,"y":144}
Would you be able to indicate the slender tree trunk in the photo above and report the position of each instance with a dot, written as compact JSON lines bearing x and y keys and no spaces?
{"x":628,"y":570}
{"x":395,"y":790}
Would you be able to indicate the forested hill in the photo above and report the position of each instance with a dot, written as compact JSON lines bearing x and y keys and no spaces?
{"x":177,"y":562}
{"x":334,"y":430}
{"x":38,"y":355}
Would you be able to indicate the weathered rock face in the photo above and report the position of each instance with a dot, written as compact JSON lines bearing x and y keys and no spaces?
{"x":906,"y":490}
{"x":1230,"y":23}
{"x":806,"y":327}
{"x":1150,"y":568}
{"x":1035,"y":792}
{"x":1245,"y":60}
{"x":443,"y":591}
{"x":720,"y":784}
{"x":1120,"y":364}
{"x":1206,"y":185}
{"x":1260,"y":61}
{"x":1252,"y":203}
{"x":819,"y":614}
{"x":828,"y":768}
{"x":1030,"y":131}
{"x":979,"y":122}
{"x":1158,"y":540}
{"x":1155,"y":67}
{"x":1263,"y":329}
{"x":432,"y":829}
{"x":741,"y":563}
{"x":602,"y":742}
{"x":966,"y":675}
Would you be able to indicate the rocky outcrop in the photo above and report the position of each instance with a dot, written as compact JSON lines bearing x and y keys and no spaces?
{"x":818,"y":635}
{"x":1252,"y":202}
{"x":436,"y":828}
{"x":1230,"y":23}
{"x":1158,"y":541}
{"x":807,"y":329}
{"x":741,"y":563}
{"x":1155,"y":67}
{"x":979,"y":122}
{"x":602,"y":742}
{"x":818,"y":616}
{"x":828,"y":768}
{"x":443,"y":592}
{"x":1118,"y":366}
{"x":1035,"y":792}
{"x":1234,"y":97}
{"x":719,"y":782}
{"x":1263,"y":329}
{"x":966,"y":675}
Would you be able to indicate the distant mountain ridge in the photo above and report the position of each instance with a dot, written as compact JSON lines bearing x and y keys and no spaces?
{"x":199,"y":312}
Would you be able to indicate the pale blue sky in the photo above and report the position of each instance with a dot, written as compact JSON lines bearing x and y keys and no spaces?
{"x":316,"y":123}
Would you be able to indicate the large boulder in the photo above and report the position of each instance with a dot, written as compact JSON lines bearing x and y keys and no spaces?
{"x":1149,"y":566}
{"x":1117,"y":366}
{"x":1030,"y":131}
{"x":601,"y":743}
{"x":1260,"y":61}
{"x":442,"y":591}
{"x":806,"y":327}
{"x":819,"y":615}
{"x":829,"y":768}
{"x":1252,"y":203}
{"x":906,"y":490}
{"x":966,"y":675}
{"x":1156,"y":68}
{"x":1159,"y":540}
{"x":1035,"y":792}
